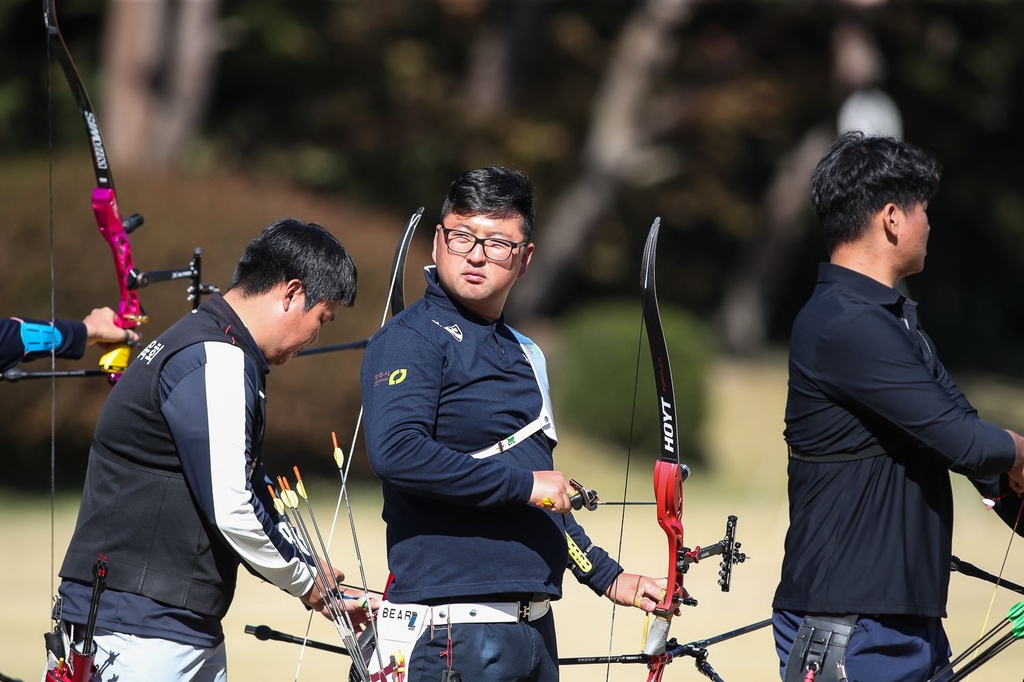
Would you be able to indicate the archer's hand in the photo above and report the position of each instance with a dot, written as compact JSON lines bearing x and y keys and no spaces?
{"x":100,"y":327}
{"x":315,"y":599}
{"x":359,"y":606}
{"x":640,"y":591}
{"x":551,"y":491}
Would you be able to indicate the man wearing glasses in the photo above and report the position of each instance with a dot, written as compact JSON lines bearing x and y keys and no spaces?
{"x":459,"y":429}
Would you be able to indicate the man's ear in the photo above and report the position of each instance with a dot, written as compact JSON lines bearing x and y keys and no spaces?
{"x":436,"y":244}
{"x":892,"y":220}
{"x":527,"y":255}
{"x":293,"y":293}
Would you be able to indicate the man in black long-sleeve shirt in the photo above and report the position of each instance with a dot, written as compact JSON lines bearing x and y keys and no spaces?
{"x":874,"y":423}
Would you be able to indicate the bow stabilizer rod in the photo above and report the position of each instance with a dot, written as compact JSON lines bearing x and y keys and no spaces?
{"x":266,"y":633}
{"x":673,"y":650}
{"x":958,"y":565}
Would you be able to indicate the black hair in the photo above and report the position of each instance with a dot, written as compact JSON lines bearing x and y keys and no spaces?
{"x":860,"y":174}
{"x":293,"y":249}
{"x":495,"y":192}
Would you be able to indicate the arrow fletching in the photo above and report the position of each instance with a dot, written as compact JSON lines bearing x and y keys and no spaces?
{"x":299,"y":487}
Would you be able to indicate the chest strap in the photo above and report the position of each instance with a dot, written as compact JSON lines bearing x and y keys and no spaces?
{"x":545,"y":421}
{"x":540,"y":423}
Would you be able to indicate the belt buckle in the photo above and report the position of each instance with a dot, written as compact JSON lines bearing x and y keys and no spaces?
{"x":524,"y":611}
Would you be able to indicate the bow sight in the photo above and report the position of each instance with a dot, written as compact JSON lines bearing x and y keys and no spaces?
{"x":727,"y":547}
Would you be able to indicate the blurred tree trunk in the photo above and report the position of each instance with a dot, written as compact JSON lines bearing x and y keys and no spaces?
{"x":755,"y":285}
{"x":618,"y":150}
{"x":501,"y":54}
{"x":757,"y":280}
{"x":158,"y":63}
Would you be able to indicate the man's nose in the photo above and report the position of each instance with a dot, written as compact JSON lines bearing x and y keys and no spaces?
{"x":477,"y":253}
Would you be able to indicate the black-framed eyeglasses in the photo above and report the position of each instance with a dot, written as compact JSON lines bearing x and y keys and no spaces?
{"x":464,"y":242}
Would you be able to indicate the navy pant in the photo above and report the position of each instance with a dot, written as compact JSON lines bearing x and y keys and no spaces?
{"x":491,"y":652}
{"x":882,"y":648}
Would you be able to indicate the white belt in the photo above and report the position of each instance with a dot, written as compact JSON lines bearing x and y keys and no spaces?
{"x":492,"y":612}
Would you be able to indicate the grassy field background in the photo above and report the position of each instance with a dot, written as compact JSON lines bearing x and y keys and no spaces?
{"x":746,"y":477}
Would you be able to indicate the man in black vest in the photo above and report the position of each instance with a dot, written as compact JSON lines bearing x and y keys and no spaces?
{"x":874,"y":425}
{"x":175,"y":494}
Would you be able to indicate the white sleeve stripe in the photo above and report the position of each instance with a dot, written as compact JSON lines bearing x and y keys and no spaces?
{"x":234,"y":513}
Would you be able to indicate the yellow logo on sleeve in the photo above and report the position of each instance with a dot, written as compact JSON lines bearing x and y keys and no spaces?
{"x":396,"y":377}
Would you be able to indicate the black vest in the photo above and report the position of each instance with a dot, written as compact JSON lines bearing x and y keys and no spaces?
{"x":136,"y":507}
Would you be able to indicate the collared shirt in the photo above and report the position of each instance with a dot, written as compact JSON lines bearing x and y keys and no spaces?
{"x":440,"y":383}
{"x":874,"y":535}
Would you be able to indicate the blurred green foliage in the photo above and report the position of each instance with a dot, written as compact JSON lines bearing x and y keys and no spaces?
{"x":600,"y":389}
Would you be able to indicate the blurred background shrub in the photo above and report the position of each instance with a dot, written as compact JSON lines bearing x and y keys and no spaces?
{"x":597,"y":376}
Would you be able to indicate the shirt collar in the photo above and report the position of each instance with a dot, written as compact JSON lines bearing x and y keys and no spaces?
{"x":234,"y":327}
{"x":862,"y":285}
{"x":438,"y":295}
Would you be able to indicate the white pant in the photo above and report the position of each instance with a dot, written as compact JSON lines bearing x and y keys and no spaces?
{"x":129,"y":658}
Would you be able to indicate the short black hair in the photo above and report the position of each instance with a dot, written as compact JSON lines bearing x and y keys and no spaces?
{"x":860,"y":174}
{"x":495,"y":192}
{"x":290,"y":248}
